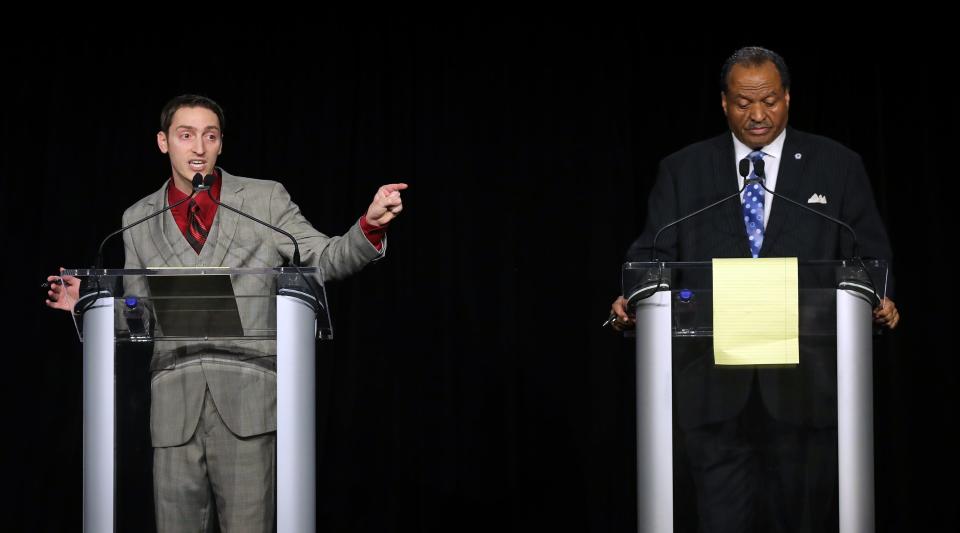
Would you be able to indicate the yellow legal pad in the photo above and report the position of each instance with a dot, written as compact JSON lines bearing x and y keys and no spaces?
{"x":755,"y":308}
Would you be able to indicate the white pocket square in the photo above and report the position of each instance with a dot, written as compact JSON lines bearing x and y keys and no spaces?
{"x":817,"y":199}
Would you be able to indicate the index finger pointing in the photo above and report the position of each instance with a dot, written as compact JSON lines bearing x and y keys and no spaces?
{"x":392,"y":187}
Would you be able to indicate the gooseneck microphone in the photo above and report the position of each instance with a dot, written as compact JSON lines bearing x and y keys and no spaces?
{"x":860,"y":282}
{"x":653,"y":280}
{"x":653,"y":283}
{"x":313,"y":291}
{"x":743,"y":168}
{"x":758,"y":168}
{"x":90,"y":289}
{"x":198,"y":183}
{"x":207,"y":182}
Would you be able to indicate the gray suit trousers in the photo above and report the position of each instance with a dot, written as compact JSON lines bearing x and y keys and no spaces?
{"x":216,"y":474}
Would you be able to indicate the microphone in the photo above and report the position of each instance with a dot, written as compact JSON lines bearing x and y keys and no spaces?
{"x":761,"y":179}
{"x":90,"y":289}
{"x":860,"y":282}
{"x":650,"y":285}
{"x":288,"y":287}
{"x":743,"y":168}
{"x":653,"y":280}
{"x":198,"y":182}
{"x":207,"y":183}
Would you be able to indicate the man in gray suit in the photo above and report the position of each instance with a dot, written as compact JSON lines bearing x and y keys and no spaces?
{"x":213,"y":405}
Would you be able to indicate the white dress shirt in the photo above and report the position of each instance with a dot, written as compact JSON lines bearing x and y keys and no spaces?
{"x":771,"y":167}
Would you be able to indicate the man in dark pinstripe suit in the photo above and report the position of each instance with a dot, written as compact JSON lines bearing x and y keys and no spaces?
{"x":761,"y":443}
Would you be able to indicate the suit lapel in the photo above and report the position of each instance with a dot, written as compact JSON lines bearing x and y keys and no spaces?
{"x":789,"y":183}
{"x":225,"y":221}
{"x":725,"y":181}
{"x":159,"y":227}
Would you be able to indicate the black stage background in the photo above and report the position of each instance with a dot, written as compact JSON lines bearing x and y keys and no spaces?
{"x":470,"y":387}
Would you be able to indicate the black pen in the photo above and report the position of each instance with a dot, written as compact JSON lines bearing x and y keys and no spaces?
{"x":51,"y":283}
{"x":610,"y":320}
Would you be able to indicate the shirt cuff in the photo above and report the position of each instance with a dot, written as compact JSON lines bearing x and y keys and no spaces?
{"x":373,"y":233}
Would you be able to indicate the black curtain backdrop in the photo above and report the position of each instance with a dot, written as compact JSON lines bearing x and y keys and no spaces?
{"x":469,"y":387}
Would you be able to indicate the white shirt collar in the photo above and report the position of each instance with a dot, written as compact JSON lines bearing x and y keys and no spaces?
{"x":774,"y":149}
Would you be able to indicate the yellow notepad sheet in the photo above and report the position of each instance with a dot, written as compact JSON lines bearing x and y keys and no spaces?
{"x":755,"y":311}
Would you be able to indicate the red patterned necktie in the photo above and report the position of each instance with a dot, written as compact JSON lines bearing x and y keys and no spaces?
{"x":196,"y":231}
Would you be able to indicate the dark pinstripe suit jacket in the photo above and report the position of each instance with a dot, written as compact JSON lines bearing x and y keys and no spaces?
{"x":703,"y":173}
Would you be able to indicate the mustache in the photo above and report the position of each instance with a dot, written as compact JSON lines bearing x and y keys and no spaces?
{"x":765,"y":124}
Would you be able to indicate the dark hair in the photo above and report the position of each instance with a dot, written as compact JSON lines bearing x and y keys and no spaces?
{"x":189,"y":100}
{"x":754,"y":56}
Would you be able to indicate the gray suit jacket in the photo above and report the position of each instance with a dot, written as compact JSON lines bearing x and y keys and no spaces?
{"x":241,"y":374}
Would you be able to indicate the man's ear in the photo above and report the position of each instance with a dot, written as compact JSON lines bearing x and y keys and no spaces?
{"x":162,"y":142}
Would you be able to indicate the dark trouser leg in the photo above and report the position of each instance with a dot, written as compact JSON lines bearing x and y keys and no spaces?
{"x":800,"y":467}
{"x":726,"y":473}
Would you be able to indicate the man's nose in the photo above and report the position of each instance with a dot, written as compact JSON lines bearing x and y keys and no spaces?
{"x":757,"y":112}
{"x":198,"y":146}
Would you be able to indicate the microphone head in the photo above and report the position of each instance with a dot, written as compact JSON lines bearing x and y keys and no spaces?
{"x":744,"y":167}
{"x":197,"y":181}
{"x":208,"y":181}
{"x":758,"y":168}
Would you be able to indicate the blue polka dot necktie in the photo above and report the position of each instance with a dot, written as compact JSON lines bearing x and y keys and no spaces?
{"x":753,"y":207}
